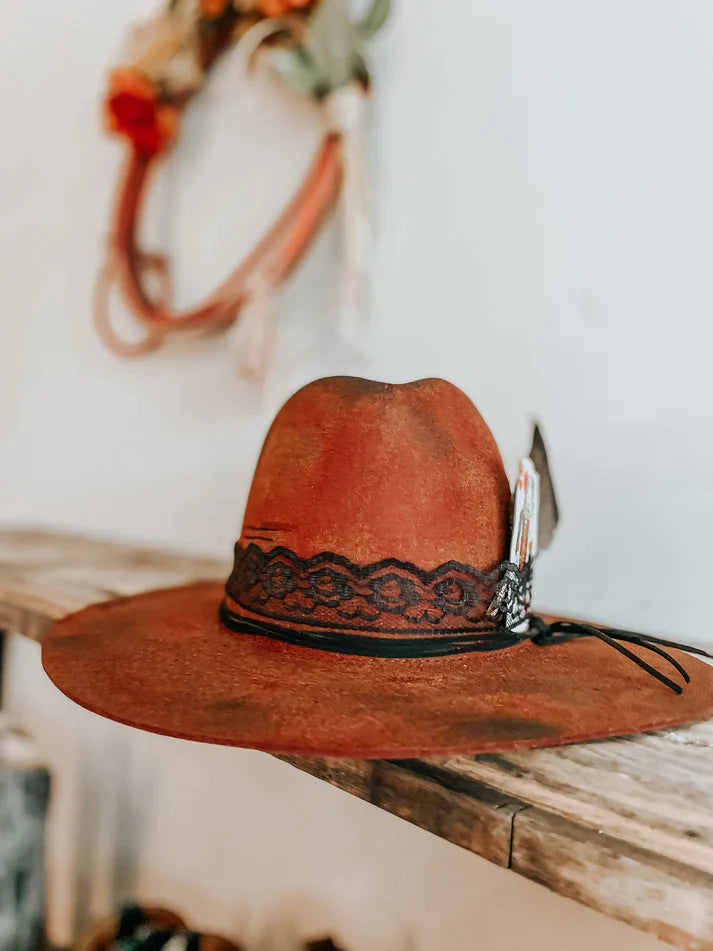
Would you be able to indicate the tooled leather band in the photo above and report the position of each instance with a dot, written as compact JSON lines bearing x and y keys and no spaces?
{"x":330,"y":603}
{"x":390,"y":597}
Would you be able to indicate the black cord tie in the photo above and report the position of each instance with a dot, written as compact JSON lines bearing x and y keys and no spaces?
{"x":484,"y":637}
{"x":559,"y":632}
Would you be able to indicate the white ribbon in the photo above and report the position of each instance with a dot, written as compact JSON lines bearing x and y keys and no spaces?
{"x":253,"y":333}
{"x":346,"y":110}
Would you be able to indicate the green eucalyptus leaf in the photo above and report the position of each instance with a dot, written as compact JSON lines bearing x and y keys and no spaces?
{"x":330,"y":56}
{"x":375,"y":18}
{"x":296,"y":67}
{"x":333,"y":40}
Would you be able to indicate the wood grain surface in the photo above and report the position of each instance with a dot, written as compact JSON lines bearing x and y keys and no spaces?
{"x":624,"y":826}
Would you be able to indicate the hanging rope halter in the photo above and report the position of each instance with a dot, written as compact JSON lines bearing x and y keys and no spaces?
{"x":170,"y":58}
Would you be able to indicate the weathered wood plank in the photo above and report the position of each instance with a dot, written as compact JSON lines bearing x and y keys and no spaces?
{"x":624,"y":826}
{"x":467,"y":813}
{"x":667,"y":899}
{"x":654,"y":788}
{"x":45,"y":576}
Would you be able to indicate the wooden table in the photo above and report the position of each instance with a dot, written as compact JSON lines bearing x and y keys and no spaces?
{"x":624,"y":826}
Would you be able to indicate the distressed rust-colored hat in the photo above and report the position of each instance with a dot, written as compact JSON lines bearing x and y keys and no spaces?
{"x":370,"y":609}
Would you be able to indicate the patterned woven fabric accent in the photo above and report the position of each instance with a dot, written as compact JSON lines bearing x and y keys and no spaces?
{"x":387,"y":596}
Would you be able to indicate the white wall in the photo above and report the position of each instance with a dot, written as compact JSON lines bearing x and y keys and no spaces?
{"x":543,"y":195}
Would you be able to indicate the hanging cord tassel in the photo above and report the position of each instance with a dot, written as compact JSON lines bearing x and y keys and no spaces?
{"x":254,"y":335}
{"x":106,"y":279}
{"x":559,"y":632}
{"x":346,"y":110}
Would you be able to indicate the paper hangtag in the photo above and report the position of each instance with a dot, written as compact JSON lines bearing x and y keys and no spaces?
{"x":514,"y":595}
{"x":525,"y":522}
{"x":523,"y":545}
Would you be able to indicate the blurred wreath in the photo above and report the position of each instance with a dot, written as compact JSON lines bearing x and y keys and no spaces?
{"x":315,"y":46}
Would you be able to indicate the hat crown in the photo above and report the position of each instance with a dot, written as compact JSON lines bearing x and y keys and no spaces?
{"x":374,"y":471}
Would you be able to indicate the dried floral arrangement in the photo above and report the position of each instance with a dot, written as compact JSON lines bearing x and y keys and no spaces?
{"x":315,"y":46}
{"x":168,"y":59}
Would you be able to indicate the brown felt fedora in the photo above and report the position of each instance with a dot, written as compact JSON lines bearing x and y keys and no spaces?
{"x":364,"y":615}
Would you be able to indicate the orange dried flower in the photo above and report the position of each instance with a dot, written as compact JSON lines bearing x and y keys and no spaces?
{"x":281,"y":8}
{"x":212,"y":9}
{"x":134,"y":111}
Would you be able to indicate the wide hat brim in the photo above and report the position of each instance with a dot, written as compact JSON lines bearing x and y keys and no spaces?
{"x":163,"y":662}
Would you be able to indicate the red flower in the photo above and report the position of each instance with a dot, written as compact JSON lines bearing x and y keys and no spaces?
{"x":134,"y":111}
